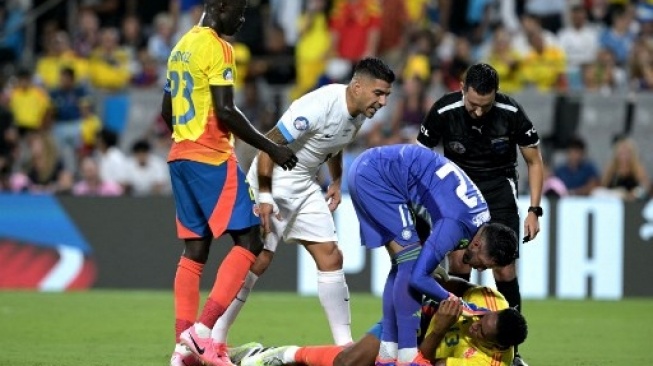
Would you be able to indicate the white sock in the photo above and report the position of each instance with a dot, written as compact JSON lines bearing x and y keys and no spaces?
{"x":202,"y":330}
{"x":388,"y":351}
{"x":334,"y":297}
{"x":406,"y":355}
{"x":221,"y":327}
{"x":289,"y":355}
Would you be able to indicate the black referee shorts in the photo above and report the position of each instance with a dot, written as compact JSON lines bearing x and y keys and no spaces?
{"x":501,"y":196}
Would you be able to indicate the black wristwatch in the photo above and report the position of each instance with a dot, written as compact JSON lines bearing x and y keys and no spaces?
{"x":537,"y":210}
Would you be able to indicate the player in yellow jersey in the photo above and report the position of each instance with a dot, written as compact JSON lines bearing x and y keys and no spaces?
{"x":451,"y":339}
{"x":211,"y":194}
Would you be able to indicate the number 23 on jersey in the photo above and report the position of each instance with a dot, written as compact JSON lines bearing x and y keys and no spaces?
{"x":181,"y":86}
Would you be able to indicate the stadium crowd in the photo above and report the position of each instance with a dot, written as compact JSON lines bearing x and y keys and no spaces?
{"x":54,"y":139}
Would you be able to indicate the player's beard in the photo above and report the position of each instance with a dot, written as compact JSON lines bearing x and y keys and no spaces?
{"x":467,"y":256}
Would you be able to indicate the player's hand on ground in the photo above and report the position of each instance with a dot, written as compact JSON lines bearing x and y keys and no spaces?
{"x":333,"y":196}
{"x":531,"y":227}
{"x":283,"y":156}
{"x":448,"y":313}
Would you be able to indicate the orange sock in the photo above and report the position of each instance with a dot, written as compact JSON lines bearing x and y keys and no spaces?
{"x":317,"y":355}
{"x":187,"y":294}
{"x":230,"y":278}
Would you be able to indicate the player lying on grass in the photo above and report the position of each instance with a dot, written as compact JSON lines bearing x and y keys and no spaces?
{"x":451,"y":339}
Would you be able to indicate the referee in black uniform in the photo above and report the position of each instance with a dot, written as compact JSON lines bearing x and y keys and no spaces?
{"x":480,"y":129}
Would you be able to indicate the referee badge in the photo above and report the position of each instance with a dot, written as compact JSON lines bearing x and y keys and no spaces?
{"x":457,"y":147}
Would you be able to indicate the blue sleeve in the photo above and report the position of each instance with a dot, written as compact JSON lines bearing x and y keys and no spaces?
{"x":445,"y":236}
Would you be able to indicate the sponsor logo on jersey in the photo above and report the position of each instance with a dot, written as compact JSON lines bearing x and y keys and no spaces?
{"x":457,"y":147}
{"x":301,"y":123}
{"x":228,"y":74}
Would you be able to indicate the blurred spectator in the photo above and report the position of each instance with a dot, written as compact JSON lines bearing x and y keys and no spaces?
{"x":579,"y":41}
{"x":454,"y":69}
{"x":148,"y":72}
{"x":544,"y":66}
{"x":13,"y":182}
{"x":86,"y":37}
{"x":256,"y":108}
{"x":506,"y":61}
{"x":394,"y":27}
{"x":109,"y":63}
{"x":90,"y":126}
{"x":530,"y":25}
{"x":618,"y":38}
{"x":625,"y":175}
{"x":145,"y":173}
{"x":28,"y":103}
{"x":108,"y":11}
{"x":112,"y":162}
{"x":45,"y":169}
{"x":603,"y":75}
{"x":548,"y":11}
{"x":8,"y":137}
{"x":11,"y":33}
{"x":277,"y":67}
{"x":416,"y":12}
{"x":91,"y":184}
{"x":355,"y":27}
{"x":409,"y":112}
{"x":185,"y":14}
{"x":67,"y":116}
{"x":421,"y":58}
{"x":641,"y":66}
{"x":59,"y":55}
{"x":243,"y":57}
{"x":132,"y":35}
{"x":313,"y":46}
{"x":161,"y":42}
{"x":281,"y":11}
{"x":578,"y":174}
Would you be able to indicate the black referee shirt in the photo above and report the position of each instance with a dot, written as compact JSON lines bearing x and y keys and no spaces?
{"x":485,"y":147}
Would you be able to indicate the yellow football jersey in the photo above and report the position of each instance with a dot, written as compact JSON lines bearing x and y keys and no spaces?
{"x":459,"y":349}
{"x":200,"y":59}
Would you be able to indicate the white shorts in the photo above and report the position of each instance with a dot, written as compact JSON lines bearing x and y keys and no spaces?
{"x":302,"y":218}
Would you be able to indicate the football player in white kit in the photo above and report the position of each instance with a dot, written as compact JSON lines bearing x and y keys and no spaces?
{"x":292,"y":207}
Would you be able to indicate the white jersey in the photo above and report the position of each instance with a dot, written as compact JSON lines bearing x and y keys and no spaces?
{"x":317,"y":126}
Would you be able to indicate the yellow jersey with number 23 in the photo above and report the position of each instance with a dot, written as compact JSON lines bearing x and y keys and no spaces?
{"x":200,"y":59}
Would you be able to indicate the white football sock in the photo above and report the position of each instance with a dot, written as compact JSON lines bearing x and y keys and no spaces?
{"x":406,"y":355}
{"x":289,"y":355}
{"x":388,"y":351}
{"x":221,"y":327}
{"x":202,"y":330}
{"x":334,"y":297}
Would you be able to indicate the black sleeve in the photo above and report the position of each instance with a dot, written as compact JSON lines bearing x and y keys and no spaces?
{"x":429,"y":131}
{"x":525,"y":133}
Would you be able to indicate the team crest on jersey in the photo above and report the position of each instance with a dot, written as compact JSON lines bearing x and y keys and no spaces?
{"x":301,"y":123}
{"x":228,"y":74}
{"x":457,"y":147}
{"x":406,"y":234}
{"x":469,"y":353}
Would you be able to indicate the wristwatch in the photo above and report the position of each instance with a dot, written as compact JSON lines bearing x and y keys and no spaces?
{"x":537,"y":210}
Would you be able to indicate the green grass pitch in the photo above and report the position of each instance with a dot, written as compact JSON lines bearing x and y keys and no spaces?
{"x":134,"y":328}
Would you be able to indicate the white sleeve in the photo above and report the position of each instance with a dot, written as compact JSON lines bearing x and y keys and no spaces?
{"x":304,"y":115}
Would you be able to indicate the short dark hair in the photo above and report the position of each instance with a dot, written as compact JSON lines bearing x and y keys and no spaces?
{"x":109,"y":137}
{"x":576,"y":142}
{"x":375,"y":68}
{"x":141,"y":146}
{"x":482,"y":77}
{"x":512,"y":329}
{"x":500,"y":243}
{"x":68,"y":71}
